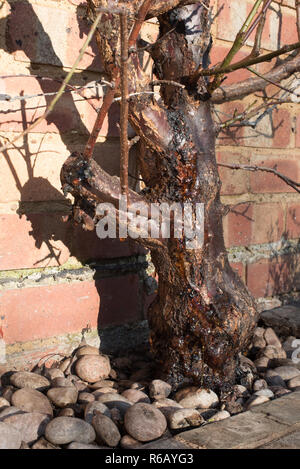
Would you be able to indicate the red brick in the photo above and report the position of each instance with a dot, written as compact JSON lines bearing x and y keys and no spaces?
{"x":262,"y":182}
{"x":233,"y":182}
{"x":33,"y":240}
{"x":217,"y":55}
{"x":238,"y":226}
{"x":282,"y":128}
{"x":41,"y":312}
{"x":232,"y":135}
{"x":273,"y":277}
{"x":254,"y":224}
{"x":298,"y":131}
{"x":293,"y":221}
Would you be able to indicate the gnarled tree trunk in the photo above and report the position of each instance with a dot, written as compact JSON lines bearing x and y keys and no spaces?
{"x":203,"y":315}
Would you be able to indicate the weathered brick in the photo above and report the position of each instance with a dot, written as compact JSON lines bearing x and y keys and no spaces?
{"x":263,"y":182}
{"x":273,"y":277}
{"x":239,"y":268}
{"x":293,"y":221}
{"x":233,"y":182}
{"x":253,"y":224}
{"x":231,"y":135}
{"x":41,"y":312}
{"x":33,"y":240}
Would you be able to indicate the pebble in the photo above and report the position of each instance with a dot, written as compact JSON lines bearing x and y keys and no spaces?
{"x":52,"y":373}
{"x":42,"y":443}
{"x":92,"y":407}
{"x":10,"y":437}
{"x":3,"y":403}
{"x":92,"y":368}
{"x":273,"y":379}
{"x":271,"y":352}
{"x":31,"y":425}
{"x":62,"y":397}
{"x":201,"y":398}
{"x":259,"y":342}
{"x":159,"y":389}
{"x":31,"y":400}
{"x":184,"y":418}
{"x":64,"y":430}
{"x":134,"y":395}
{"x":287,"y":372}
{"x":288,"y":346}
{"x":183,"y":392}
{"x":9,"y":411}
{"x":85,"y":398}
{"x":106,"y":430}
{"x":221,"y":415}
{"x":8,"y":392}
{"x":279,"y":391}
{"x":256,"y":400}
{"x":240,"y":391}
{"x":271,"y":338}
{"x":60,"y":382}
{"x":65,"y":364}
{"x":99,"y":392}
{"x":262,"y":363}
{"x":144,"y":422}
{"x":127,"y":442}
{"x":27,"y":379}
{"x":259,"y":384}
{"x":103,"y":383}
{"x":294,"y":382}
{"x":87,"y":350}
{"x":115,"y":400}
{"x":66,"y":412}
{"x":265,"y":392}
{"x":166,"y":405}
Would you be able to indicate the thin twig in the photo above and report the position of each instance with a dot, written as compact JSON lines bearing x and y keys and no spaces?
{"x":124,"y":154}
{"x":273,"y":82}
{"x":63,"y":86}
{"x":167,"y":82}
{"x":295,"y":185}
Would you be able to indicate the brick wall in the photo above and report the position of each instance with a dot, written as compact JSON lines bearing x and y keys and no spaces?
{"x":54,"y":278}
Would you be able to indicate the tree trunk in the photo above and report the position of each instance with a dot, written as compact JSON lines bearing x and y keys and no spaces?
{"x":203,"y":316}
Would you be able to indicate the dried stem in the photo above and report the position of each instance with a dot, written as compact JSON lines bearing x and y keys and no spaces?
{"x":124,"y":155}
{"x":295,"y":185}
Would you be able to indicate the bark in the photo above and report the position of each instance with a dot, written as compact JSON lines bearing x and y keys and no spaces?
{"x":203,"y":316}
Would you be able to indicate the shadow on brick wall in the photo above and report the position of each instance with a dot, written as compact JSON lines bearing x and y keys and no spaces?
{"x":23,"y":32}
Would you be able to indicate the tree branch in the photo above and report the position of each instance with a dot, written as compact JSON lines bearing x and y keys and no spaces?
{"x":287,"y":180}
{"x":252,"y":85}
{"x":124,"y":153}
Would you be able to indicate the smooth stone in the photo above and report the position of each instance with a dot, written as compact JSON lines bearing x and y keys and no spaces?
{"x":184,"y":418}
{"x":288,"y":346}
{"x":62,"y":397}
{"x":8,"y":392}
{"x":183,"y":392}
{"x":92,"y":368}
{"x":31,"y":425}
{"x":256,"y":400}
{"x":294,"y":382}
{"x":265,"y":392}
{"x":87,"y":350}
{"x":159,"y":389}
{"x":259,"y":342}
{"x":280,"y":391}
{"x":99,"y":392}
{"x":144,"y":422}
{"x":106,"y":430}
{"x":64,"y":430}
{"x":31,"y":400}
{"x":259,"y":384}
{"x":94,"y":407}
{"x":271,"y":352}
{"x":85,"y":397}
{"x":52,"y":373}
{"x":271,"y":338}
{"x":10,"y":437}
{"x":221,"y":415}
{"x":3,"y":403}
{"x":127,"y":442}
{"x":259,"y":332}
{"x":76,"y":445}
{"x":60,"y":382}
{"x":42,"y":443}
{"x":115,"y":400}
{"x":66,"y":412}
{"x":287,"y":372}
{"x":103,"y":383}
{"x":273,"y":379}
{"x":201,"y":398}
{"x":27,"y":379}
{"x":65,"y":364}
{"x":240,"y":391}
{"x":262,"y":363}
{"x":10,"y":411}
{"x":134,"y":396}
{"x":166,"y":406}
